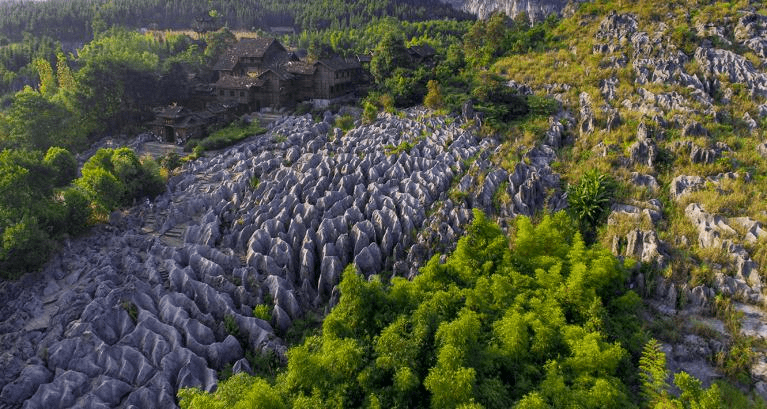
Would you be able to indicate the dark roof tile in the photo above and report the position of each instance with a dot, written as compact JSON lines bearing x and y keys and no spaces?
{"x":246,"y":47}
{"x":239,"y":82}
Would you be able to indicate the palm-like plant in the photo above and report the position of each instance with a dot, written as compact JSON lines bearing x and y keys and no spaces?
{"x":590,"y":198}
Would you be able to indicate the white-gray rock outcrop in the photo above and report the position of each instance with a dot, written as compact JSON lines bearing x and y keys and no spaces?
{"x":537,"y":10}
{"x":164,"y":297}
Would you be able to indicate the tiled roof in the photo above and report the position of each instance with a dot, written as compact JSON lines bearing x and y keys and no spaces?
{"x":424,"y":50}
{"x":246,"y":47}
{"x":300,"y":67}
{"x":172,"y":111}
{"x":238,"y":82}
{"x":190,"y":121}
{"x":338,"y":63}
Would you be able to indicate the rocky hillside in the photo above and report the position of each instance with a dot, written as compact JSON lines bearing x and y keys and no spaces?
{"x":140,"y":308}
{"x":672,"y":104}
{"x":537,"y":10}
{"x":669,"y":101}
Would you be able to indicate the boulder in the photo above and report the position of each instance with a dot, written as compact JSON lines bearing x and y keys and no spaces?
{"x":682,"y":185}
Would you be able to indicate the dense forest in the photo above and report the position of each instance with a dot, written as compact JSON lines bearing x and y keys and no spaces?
{"x":76,"y":20}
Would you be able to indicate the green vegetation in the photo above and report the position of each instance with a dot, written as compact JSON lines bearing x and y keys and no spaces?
{"x":589,"y":200}
{"x":231,"y":327}
{"x":655,"y":389}
{"x":231,"y":134}
{"x":344,"y":122}
{"x":404,"y":146}
{"x":537,"y":322}
{"x":131,"y":309}
{"x":41,"y":202}
{"x":263,"y":312}
{"x":116,"y":177}
{"x":81,"y":19}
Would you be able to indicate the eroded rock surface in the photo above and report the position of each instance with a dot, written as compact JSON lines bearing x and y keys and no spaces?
{"x":163,"y":296}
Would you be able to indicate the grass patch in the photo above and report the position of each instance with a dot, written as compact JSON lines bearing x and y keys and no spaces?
{"x":233,"y":133}
{"x":263,"y":312}
{"x":405,"y":146}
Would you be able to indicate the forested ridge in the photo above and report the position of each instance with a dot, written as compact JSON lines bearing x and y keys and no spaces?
{"x":75,"y":20}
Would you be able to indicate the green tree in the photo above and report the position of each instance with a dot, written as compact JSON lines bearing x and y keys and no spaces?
{"x":63,"y":165}
{"x":653,"y":372}
{"x":78,"y":210}
{"x":492,"y":326}
{"x":389,"y":54}
{"x":25,"y":246}
{"x":104,"y":189}
{"x":47,"y":79}
{"x":34,"y":122}
{"x":433,"y":99}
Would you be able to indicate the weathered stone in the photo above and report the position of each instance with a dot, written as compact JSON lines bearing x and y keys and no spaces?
{"x":369,"y":259}
{"x":26,"y":384}
{"x":682,"y":185}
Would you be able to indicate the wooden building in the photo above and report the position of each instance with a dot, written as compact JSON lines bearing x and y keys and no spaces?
{"x":177,"y":124}
{"x":259,"y":73}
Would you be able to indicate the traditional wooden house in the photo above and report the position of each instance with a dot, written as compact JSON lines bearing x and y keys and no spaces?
{"x":176,"y":124}
{"x":335,"y":77}
{"x":259,"y":73}
{"x":249,"y":53}
{"x":422,"y":53}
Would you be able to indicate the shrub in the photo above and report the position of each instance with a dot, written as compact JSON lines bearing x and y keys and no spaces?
{"x":170,"y":161}
{"x":25,"y":246}
{"x":63,"y":164}
{"x":345,"y":122}
{"x":153,"y":182}
{"x":231,"y":327}
{"x":263,"y":312}
{"x":543,"y":106}
{"x":115,"y":177}
{"x":369,"y":112}
{"x":78,"y":210}
{"x":433,"y":99}
{"x":230,"y":135}
{"x":103,"y":188}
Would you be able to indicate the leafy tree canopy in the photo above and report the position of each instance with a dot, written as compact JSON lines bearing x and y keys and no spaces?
{"x":502,"y":323}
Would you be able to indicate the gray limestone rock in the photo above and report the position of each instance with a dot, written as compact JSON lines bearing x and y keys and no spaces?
{"x":62,"y":392}
{"x":31,"y":377}
{"x":762,"y":149}
{"x":643,"y":153}
{"x":131,"y":315}
{"x":647,"y":181}
{"x":705,"y":156}
{"x":682,"y":185}
{"x":369,"y":259}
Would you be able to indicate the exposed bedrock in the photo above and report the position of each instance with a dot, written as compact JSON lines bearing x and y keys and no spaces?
{"x":163,"y":296}
{"x":537,"y":10}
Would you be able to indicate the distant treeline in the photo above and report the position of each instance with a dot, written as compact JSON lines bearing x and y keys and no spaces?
{"x":74,"y":20}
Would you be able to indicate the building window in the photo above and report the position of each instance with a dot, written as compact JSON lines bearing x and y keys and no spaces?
{"x":231,"y":93}
{"x":221,"y":92}
{"x":242,"y":93}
